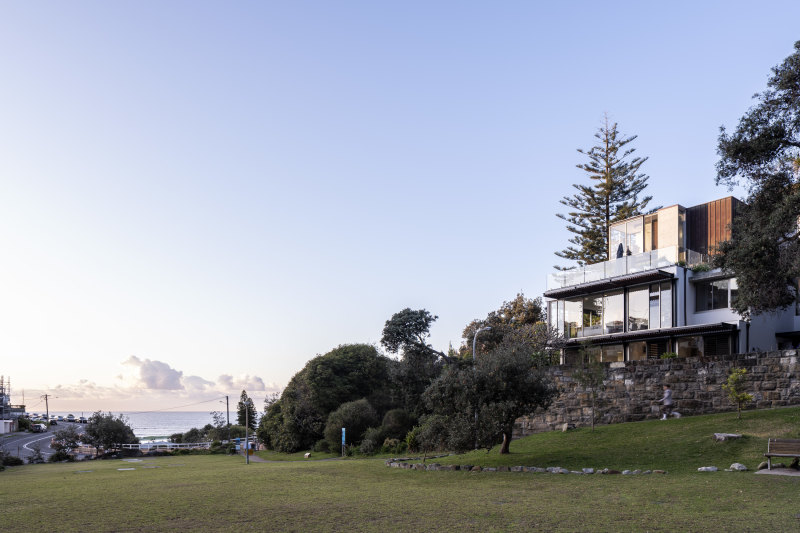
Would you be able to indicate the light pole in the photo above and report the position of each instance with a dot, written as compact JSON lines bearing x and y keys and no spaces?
{"x":247,"y":405}
{"x":474,"y":348}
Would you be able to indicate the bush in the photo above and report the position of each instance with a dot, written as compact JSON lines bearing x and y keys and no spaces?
{"x":10,"y":460}
{"x":393,"y":446}
{"x":24,"y":424}
{"x":397,"y":423}
{"x":321,"y":446}
{"x":355,"y":417}
{"x":411,"y":440}
{"x":371,"y":443}
{"x":59,"y":456}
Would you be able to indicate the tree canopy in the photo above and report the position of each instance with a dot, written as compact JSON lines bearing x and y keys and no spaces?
{"x":246,"y":414}
{"x":107,"y":431}
{"x":611,"y":195}
{"x":763,"y":154}
{"x":513,"y":315}
{"x":348,"y":373}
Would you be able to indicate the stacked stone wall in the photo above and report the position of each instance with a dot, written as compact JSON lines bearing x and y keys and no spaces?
{"x":631,"y":389}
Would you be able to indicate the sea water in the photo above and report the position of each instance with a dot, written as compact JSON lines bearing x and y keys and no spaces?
{"x":150,"y":425}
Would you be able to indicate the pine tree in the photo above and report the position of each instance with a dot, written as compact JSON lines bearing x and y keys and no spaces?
{"x":611,"y":196}
{"x":246,"y":411}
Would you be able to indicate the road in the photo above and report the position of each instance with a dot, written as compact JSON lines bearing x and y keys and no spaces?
{"x":21,"y":444}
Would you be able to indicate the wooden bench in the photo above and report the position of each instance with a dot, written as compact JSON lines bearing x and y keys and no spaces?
{"x":782,"y":448}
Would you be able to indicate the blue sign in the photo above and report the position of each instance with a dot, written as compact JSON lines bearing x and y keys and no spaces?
{"x":342,"y":436}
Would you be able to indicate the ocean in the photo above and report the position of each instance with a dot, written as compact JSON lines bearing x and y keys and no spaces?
{"x":147,"y":425}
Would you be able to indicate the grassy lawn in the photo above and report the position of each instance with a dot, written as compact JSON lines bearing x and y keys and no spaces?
{"x":218,"y":493}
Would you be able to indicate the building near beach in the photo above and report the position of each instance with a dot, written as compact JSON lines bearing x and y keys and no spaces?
{"x":658,"y":295}
{"x":9,"y":414}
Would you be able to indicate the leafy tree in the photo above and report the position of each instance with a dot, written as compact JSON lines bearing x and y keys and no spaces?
{"x":297,"y":420}
{"x":246,"y":412}
{"x":735,"y":388}
{"x":501,"y":387}
{"x":514,"y":315}
{"x":37,"y":457}
{"x":66,"y":440}
{"x":406,"y":332}
{"x":107,"y":431}
{"x":356,"y":417}
{"x":612,"y":195}
{"x":591,"y":377}
{"x":763,"y":154}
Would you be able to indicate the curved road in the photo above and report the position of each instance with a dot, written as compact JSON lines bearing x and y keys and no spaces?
{"x":20,"y":444}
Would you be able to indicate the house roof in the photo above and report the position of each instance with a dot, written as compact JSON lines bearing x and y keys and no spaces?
{"x":609,"y":283}
{"x":653,"y":334}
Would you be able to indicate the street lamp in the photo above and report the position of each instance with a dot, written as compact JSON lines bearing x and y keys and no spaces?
{"x":474,"y":348}
{"x":247,"y":405}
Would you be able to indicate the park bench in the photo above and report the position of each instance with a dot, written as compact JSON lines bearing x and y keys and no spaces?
{"x":782,"y":448}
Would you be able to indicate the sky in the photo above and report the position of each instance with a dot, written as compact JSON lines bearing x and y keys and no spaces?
{"x":199,"y":197}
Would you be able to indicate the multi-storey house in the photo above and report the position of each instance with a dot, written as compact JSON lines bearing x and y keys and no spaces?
{"x":657,"y":294}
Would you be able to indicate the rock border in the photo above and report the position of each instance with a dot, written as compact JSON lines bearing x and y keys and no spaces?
{"x":405,"y":465}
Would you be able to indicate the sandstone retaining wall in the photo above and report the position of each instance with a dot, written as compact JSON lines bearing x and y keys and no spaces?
{"x":632,"y":389}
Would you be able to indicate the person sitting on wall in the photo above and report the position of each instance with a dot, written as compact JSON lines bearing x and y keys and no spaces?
{"x":666,"y":404}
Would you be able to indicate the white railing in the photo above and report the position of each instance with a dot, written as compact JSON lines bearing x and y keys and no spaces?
{"x":630,"y":264}
{"x":165,"y":445}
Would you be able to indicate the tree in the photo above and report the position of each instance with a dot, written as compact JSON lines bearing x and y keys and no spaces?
{"x":108,"y":432}
{"x":611,"y":196}
{"x":591,"y":377}
{"x":406,"y":332}
{"x":735,"y":388}
{"x":246,"y":412}
{"x":347,"y":373}
{"x":356,"y":417}
{"x":514,"y":315}
{"x":763,"y":154}
{"x":502,"y":386}
{"x":66,"y":440}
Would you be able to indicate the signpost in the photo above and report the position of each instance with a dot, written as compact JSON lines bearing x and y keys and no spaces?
{"x":343,"y":445}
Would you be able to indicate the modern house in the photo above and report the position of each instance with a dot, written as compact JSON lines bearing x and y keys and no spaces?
{"x":657,"y":294}
{"x":9,"y":414}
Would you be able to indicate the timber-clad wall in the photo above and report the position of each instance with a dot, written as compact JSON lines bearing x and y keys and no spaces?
{"x":632,"y":389}
{"x":708,"y":224}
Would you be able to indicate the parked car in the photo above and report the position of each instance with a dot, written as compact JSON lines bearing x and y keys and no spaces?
{"x":53,"y":422}
{"x":83,"y":420}
{"x":70,"y":418}
{"x":38,"y":428}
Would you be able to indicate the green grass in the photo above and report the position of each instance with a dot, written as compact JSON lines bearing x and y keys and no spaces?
{"x":277,"y":456}
{"x":221,"y":493}
{"x":675,"y":445}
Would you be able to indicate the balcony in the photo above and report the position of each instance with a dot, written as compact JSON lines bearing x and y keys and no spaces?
{"x":631,"y":264}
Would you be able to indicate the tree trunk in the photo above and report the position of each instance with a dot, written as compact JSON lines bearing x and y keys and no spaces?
{"x":506,"y":442}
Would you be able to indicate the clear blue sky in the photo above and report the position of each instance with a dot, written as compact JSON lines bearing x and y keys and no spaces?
{"x":200,"y":196}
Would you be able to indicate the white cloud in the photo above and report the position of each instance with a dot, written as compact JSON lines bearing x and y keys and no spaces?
{"x":156,"y":375}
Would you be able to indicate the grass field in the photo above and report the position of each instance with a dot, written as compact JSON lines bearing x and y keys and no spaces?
{"x":218,"y":493}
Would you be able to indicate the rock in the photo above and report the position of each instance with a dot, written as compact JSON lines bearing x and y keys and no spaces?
{"x":739,"y":467}
{"x":307,"y":455}
{"x":579,"y":472}
{"x":517,"y":468}
{"x":778,"y":465}
{"x":503,"y":469}
{"x":418,"y":466}
{"x":646,"y":472}
{"x":394,"y":465}
{"x":490,"y":469}
{"x":475,"y":469}
{"x":466,"y":468}
{"x":626,"y":472}
{"x":636,"y":472}
{"x":611,"y":471}
{"x":588,"y":470}
{"x":762,"y":465}
{"x":722,"y":437}
{"x":659,"y":471}
{"x":707,"y":469}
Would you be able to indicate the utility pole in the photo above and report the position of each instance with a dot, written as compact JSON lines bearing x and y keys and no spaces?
{"x":46,"y":406}
{"x":228,"y":410}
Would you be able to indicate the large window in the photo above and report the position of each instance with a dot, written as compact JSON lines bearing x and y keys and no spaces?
{"x":613,"y":353}
{"x":592,"y":316}
{"x":637,"y":351}
{"x":572,"y":318}
{"x":720,"y":294}
{"x":638,"y":309}
{"x":614,"y":313}
{"x":666,"y":305}
{"x":690,"y":347}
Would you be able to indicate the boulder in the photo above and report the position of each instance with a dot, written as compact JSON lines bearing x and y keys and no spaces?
{"x":722,"y":437}
{"x":762,"y":465}
{"x":503,"y":469}
{"x":307,"y":455}
{"x":588,"y":470}
{"x":517,"y":468}
{"x":737,"y":467}
{"x":475,"y":469}
{"x":707,"y":469}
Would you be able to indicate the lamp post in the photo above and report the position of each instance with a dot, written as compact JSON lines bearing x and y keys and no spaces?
{"x":474,"y":348}
{"x":247,"y":405}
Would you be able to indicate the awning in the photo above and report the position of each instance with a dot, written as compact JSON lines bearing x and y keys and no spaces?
{"x":656,"y":334}
{"x":609,"y":283}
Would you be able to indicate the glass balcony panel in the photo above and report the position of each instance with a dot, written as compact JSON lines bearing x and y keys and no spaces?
{"x":615,"y":267}
{"x":639,"y":263}
{"x":594,"y":272}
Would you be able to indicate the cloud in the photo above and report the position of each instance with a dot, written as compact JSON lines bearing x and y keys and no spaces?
{"x":156,"y":375}
{"x":246,"y":382}
{"x":197,"y":383}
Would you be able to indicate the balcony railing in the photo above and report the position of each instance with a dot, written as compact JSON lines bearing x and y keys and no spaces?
{"x":630,"y":264}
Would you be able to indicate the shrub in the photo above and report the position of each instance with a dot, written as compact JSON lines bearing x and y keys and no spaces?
{"x":393,"y":446}
{"x":10,"y":460}
{"x":669,"y":355}
{"x":396,"y":423}
{"x":371,"y":443}
{"x":355,"y":417}
{"x":411,"y":440}
{"x":24,"y":424}
{"x":321,"y":446}
{"x":59,"y":456}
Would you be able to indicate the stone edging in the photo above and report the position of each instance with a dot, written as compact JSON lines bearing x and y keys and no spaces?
{"x":399,"y":463}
